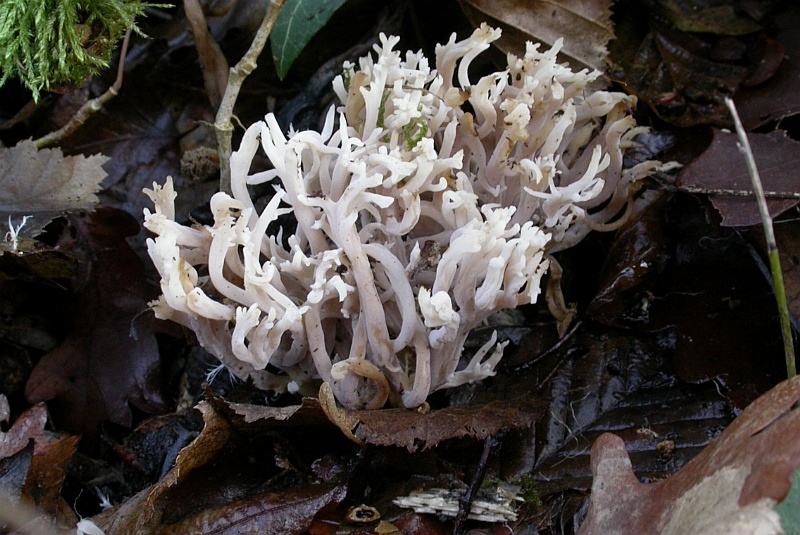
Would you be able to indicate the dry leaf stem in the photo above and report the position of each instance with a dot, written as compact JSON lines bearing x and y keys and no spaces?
{"x":772,"y":246}
{"x":238,"y":74}
{"x":90,"y":107}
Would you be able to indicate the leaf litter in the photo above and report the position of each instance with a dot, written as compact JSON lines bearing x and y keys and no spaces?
{"x":287,"y":469}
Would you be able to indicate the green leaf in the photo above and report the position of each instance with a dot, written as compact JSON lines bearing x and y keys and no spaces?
{"x":298,"y":22}
{"x":789,"y":508}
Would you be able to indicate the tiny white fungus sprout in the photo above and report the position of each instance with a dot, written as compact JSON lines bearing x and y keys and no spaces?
{"x":427,"y":203}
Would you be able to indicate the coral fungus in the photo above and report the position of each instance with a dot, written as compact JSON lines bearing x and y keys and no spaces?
{"x":426,"y":204}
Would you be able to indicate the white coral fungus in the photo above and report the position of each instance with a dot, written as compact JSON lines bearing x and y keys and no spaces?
{"x":427,"y":203}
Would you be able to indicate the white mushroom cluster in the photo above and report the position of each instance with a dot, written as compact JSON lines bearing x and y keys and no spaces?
{"x":427,"y":203}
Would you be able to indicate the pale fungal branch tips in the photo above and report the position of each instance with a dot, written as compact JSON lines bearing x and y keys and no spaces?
{"x":427,"y":203}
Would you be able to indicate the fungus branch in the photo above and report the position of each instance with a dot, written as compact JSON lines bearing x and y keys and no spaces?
{"x":426,"y":204}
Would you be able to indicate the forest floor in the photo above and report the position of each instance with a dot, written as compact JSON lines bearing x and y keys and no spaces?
{"x":112,"y":416}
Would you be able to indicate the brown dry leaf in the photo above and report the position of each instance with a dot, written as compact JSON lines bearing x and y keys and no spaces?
{"x":276,"y":513}
{"x":418,"y":432}
{"x":29,"y":425}
{"x":722,"y":167}
{"x":33,"y":464}
{"x":730,"y":487}
{"x":100,"y":367}
{"x":40,"y":184}
{"x":585,"y":26}
{"x":142,"y":513}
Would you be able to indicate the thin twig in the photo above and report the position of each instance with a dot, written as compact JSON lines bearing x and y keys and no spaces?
{"x":465,"y":503}
{"x":772,"y":245}
{"x":90,"y":107}
{"x":734,"y":192}
{"x":238,"y":74}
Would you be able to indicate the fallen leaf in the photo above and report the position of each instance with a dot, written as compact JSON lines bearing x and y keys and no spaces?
{"x":722,"y":167}
{"x":101,"y":367}
{"x":284,"y":513}
{"x":37,"y":185}
{"x":730,"y":487}
{"x":29,"y":426}
{"x":661,"y":55}
{"x":786,"y":236}
{"x":34,"y":463}
{"x":585,"y":26}
{"x":779,"y":96}
{"x":416,"y":431}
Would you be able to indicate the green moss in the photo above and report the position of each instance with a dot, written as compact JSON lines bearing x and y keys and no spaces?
{"x":49,"y":43}
{"x":527,"y":486}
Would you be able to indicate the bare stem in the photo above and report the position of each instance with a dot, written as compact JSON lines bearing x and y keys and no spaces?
{"x":772,"y":245}
{"x":90,"y":107}
{"x":238,"y":74}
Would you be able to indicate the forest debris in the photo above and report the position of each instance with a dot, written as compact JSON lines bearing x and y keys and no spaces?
{"x":730,"y":487}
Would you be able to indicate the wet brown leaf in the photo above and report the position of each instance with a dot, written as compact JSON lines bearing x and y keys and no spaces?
{"x":666,"y":56}
{"x":640,"y":250}
{"x":101,"y":367}
{"x":722,"y":167}
{"x":585,"y":26}
{"x":786,"y":236}
{"x":730,"y":487}
{"x":779,"y":96}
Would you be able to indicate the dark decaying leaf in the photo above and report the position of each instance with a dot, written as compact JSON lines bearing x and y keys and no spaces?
{"x":37,"y":185}
{"x":779,"y":96}
{"x":620,"y":382}
{"x":722,"y":167}
{"x":585,"y":26}
{"x":667,"y":56}
{"x":215,"y":487}
{"x":640,"y":251}
{"x":787,"y":236}
{"x":730,"y":487}
{"x":101,"y":366}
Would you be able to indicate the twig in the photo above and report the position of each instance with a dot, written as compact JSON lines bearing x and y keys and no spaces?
{"x":90,"y":107}
{"x":465,"y":503}
{"x":238,"y":74}
{"x":734,"y":192}
{"x":772,"y":246}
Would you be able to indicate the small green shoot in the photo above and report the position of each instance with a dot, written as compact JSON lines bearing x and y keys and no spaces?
{"x":772,"y":246}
